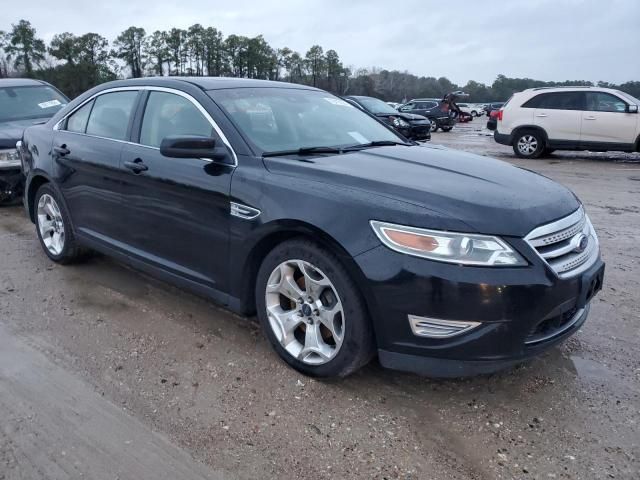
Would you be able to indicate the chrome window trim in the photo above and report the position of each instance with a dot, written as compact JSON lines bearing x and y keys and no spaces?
{"x":180,"y":93}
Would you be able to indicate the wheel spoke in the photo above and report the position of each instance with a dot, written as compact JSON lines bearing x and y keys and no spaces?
{"x":314,"y":286}
{"x":327,"y":318}
{"x":286,"y":321}
{"x":287,"y":285}
{"x":313,"y":343}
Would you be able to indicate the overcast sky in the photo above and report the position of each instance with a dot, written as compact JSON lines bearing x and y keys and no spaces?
{"x":462,"y":40}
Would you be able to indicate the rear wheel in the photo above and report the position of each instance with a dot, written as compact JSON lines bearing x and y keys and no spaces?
{"x":446,"y":129}
{"x":312,"y":312}
{"x":528,"y":144}
{"x":54,"y":227}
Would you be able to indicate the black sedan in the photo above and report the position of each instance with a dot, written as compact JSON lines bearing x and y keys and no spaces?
{"x":345,"y":239}
{"x":23,"y":102}
{"x":415,"y":127}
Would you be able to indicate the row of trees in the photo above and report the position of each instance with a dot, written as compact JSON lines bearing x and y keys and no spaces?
{"x":75,"y":63}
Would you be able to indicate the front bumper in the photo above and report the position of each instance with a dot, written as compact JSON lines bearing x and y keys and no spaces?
{"x":11,"y":184}
{"x":420,"y":131}
{"x":518,"y":308}
{"x":445,"y":121}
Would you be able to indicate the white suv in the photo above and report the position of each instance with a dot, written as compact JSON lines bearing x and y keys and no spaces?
{"x":540,"y":120}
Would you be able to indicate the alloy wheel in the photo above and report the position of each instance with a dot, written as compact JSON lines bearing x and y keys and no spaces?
{"x":50,"y":224}
{"x":527,"y":145}
{"x":305,"y":312}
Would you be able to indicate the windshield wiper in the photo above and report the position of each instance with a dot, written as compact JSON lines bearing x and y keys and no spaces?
{"x":376,"y":143}
{"x":304,"y":151}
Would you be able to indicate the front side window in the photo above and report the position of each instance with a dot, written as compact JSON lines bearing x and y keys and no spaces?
{"x":111,"y":114}
{"x":170,"y":114}
{"x":77,"y":121}
{"x":604,"y":102}
{"x":277,"y":119}
{"x":32,"y":102}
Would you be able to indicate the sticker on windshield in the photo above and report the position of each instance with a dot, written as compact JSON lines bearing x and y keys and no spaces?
{"x":49,"y":104}
{"x":358,"y":137}
{"x":337,"y":101}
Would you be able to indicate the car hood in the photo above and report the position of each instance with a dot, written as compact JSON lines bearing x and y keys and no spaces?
{"x":403,"y":115}
{"x":11,"y":132}
{"x":488,"y":195}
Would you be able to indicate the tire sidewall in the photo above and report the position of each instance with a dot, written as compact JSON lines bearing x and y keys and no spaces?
{"x":357,"y":342}
{"x":538,"y":136}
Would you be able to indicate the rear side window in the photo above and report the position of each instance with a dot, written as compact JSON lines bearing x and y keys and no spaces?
{"x":169,"y":114}
{"x":557,"y":101}
{"x":77,"y":121}
{"x":111,"y":114}
{"x":604,"y":102}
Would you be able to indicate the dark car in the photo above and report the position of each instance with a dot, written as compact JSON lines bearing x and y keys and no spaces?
{"x":490,"y":107}
{"x":23,"y":102}
{"x":435,"y":110}
{"x":492,"y":123}
{"x":415,"y":127}
{"x":288,"y":202}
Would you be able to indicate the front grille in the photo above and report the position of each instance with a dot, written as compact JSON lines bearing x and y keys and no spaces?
{"x":561,"y":244}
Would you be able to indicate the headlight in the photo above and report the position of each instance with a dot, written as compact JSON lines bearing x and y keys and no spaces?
{"x":450,"y":247}
{"x":400,"y":123}
{"x":9,"y":158}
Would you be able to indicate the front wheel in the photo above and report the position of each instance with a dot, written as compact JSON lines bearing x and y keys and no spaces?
{"x":528,"y":144}
{"x":434,"y":126}
{"x":311,"y":311}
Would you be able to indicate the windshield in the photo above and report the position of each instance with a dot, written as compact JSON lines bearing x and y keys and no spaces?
{"x":629,"y":97}
{"x":374,"y":105}
{"x":25,"y":103}
{"x":279,"y":119}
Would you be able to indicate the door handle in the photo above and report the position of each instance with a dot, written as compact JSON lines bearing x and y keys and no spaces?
{"x":62,"y":150}
{"x":541,"y":115}
{"x":137,"y":166}
{"x":589,"y":118}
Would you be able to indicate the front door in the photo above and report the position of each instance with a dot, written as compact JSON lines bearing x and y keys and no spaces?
{"x":605,"y":120}
{"x":177,"y":209}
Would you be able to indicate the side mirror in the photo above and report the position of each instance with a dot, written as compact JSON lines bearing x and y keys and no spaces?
{"x":192,"y":146}
{"x":632,"y":108}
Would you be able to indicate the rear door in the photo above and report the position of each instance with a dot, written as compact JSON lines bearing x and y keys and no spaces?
{"x":559,"y":114}
{"x":176,"y":209}
{"x":86,"y":151}
{"x":605,"y":120}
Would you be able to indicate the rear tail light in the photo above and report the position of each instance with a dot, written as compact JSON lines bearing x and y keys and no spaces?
{"x":500,"y":112}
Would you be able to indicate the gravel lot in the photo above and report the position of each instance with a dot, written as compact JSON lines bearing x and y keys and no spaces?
{"x":198,"y":390}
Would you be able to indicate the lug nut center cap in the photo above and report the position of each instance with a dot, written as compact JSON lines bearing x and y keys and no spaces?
{"x":306,"y":310}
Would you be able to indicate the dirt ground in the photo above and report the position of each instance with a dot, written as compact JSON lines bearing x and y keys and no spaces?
{"x":106,"y":373}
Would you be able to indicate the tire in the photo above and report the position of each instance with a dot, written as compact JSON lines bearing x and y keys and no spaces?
{"x":446,"y":129}
{"x":528,"y":144}
{"x":328,"y":296}
{"x":474,"y":113}
{"x":434,"y":126}
{"x":54,"y":228}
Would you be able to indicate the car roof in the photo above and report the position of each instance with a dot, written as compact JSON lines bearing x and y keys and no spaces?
{"x":20,"y":82}
{"x":210,"y":83}
{"x":569,"y":88}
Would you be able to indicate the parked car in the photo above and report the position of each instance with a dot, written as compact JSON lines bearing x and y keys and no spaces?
{"x":415,"y":127}
{"x":492,"y":123}
{"x":346,"y":240}
{"x":541,"y":120}
{"x":471,"y":109}
{"x":23,"y":102}
{"x":490,"y":107}
{"x":438,"y":114}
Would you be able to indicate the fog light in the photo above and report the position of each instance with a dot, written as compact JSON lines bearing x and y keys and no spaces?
{"x":436,"y":328}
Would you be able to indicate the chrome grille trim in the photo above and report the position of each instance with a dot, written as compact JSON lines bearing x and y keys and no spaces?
{"x":557,"y":244}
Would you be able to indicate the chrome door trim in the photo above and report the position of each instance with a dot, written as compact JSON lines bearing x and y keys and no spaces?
{"x":197,"y":104}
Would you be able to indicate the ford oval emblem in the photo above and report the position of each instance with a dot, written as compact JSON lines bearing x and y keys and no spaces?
{"x":583,"y":242}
